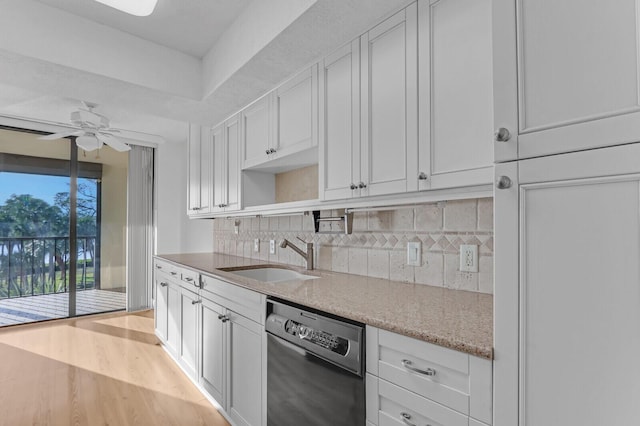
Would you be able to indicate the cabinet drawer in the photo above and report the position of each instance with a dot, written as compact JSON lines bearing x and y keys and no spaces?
{"x":189,"y":279}
{"x":245,"y":302}
{"x":396,"y":406}
{"x":167,"y":268}
{"x":454,"y":379}
{"x":431,"y":371}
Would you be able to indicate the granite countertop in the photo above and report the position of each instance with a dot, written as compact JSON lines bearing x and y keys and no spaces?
{"x":455,"y":319}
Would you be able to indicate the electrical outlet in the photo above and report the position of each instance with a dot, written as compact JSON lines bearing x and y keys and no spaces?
{"x":468,"y":258}
{"x":256,"y":245}
{"x":414,"y":253}
{"x":272,"y":246}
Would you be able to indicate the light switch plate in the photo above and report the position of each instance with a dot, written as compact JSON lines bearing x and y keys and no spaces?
{"x":468,"y":258}
{"x":256,"y":245}
{"x":414,"y":253}
{"x":272,"y":246}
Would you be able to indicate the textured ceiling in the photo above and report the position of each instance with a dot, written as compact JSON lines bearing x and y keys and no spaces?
{"x":189,"y":26}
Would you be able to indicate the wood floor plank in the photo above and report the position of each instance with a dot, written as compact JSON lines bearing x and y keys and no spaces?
{"x":103,"y":370}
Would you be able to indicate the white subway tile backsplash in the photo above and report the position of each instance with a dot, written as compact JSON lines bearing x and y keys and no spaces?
{"x":377,"y":246}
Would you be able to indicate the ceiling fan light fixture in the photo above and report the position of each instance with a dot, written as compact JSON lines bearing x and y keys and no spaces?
{"x":88,"y":142}
{"x":132,"y":7}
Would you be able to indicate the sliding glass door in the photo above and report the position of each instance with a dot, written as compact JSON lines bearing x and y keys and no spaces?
{"x":61,"y":248}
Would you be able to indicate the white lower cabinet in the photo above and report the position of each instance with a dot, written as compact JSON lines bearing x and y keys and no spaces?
{"x":245,"y":374}
{"x":410,"y":381}
{"x":188,"y":331}
{"x":161,"y":310}
{"x":212,"y":350}
{"x":173,"y":317}
{"x":233,"y":350}
{"x":215,"y":331}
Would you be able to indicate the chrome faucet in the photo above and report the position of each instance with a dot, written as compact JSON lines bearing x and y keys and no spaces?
{"x":308,"y":256}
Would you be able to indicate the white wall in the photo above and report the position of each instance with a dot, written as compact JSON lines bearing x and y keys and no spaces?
{"x":175,"y":233}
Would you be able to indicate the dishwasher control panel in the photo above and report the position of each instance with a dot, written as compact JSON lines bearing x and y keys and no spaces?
{"x":331,"y":338}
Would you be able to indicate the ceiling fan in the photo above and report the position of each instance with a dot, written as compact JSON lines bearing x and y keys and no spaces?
{"x":94,"y":130}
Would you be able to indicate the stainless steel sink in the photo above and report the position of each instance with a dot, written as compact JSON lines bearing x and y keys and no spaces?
{"x":269,"y":274}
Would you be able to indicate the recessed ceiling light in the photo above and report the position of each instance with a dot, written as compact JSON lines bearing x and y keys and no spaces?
{"x":132,"y":7}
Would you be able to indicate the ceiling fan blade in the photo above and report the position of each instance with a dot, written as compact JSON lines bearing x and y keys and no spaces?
{"x":55,"y":136}
{"x":113,"y":142}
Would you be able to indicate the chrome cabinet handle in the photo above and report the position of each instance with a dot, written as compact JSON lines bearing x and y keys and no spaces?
{"x":353,"y":186}
{"x":196,"y":208}
{"x":503,"y":182}
{"x":173,"y":273}
{"x":189,"y":279}
{"x":409,"y":366}
{"x":502,"y":135}
{"x":195,"y":302}
{"x":362,"y":185}
{"x":272,"y":151}
{"x":222,"y":205}
{"x":163,"y":284}
{"x":158,"y":267}
{"x":223,"y":318}
{"x":267,"y":152}
{"x":423,"y":176}
{"x":405,"y":418}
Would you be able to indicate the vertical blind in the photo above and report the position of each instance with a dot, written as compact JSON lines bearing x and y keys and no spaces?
{"x":140,"y":228}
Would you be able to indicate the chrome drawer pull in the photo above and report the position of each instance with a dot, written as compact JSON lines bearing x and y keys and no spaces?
{"x":188,"y":279}
{"x":405,"y":418}
{"x":223,"y":318}
{"x":409,"y":366}
{"x":158,"y":267}
{"x":194,"y":302}
{"x":173,"y":273}
{"x":163,"y":284}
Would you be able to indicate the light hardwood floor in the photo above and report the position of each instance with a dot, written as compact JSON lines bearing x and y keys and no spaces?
{"x":99,"y":370}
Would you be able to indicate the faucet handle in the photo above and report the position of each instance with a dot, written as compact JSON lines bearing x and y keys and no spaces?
{"x":304,"y":242}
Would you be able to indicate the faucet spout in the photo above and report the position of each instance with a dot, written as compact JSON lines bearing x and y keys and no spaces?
{"x":308,"y":256}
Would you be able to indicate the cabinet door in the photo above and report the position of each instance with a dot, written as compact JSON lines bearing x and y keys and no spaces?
{"x":567,"y":336}
{"x":295,"y":106}
{"x":566,"y":75}
{"x":256,"y":132}
{"x":245,"y":404}
{"x":161,"y":309}
{"x":212,"y":350}
{"x":220,"y":169}
{"x":389,"y":88}
{"x":193,"y":185}
{"x":456,"y":93}
{"x":173,"y":317}
{"x":200,"y":187}
{"x":233,"y":174}
{"x":339,"y":153}
{"x":189,"y":329}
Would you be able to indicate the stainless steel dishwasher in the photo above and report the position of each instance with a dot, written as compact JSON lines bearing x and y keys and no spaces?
{"x":315,"y":368}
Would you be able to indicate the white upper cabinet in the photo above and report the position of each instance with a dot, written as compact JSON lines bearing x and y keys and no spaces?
{"x":456,"y":93}
{"x":256,"y":133}
{"x":282,"y":123}
{"x":200,"y":176}
{"x":566,"y":75}
{"x":226,"y":142}
{"x":389,"y":101}
{"x":339,"y":152}
{"x":295,"y":106}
